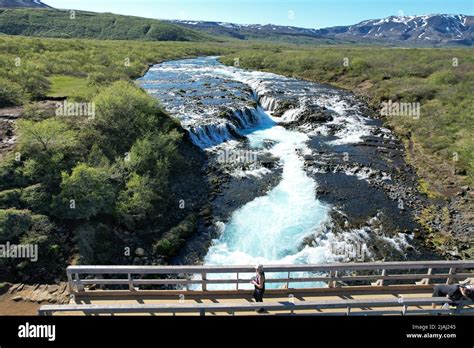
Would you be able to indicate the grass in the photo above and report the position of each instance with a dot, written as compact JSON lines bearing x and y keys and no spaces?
{"x":90,"y":25}
{"x":67,"y":86}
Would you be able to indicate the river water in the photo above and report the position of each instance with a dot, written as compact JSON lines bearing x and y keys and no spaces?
{"x":229,"y":109}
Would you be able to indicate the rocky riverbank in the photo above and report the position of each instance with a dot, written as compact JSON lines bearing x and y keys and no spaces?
{"x":359,"y":166}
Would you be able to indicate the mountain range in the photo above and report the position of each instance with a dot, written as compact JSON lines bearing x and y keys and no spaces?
{"x":423,"y":30}
{"x":434,"y":29}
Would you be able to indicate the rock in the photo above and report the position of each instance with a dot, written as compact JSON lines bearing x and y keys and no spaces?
{"x":53,"y":288}
{"x":140,"y":252}
{"x":63,"y":288}
{"x":15,"y":288}
{"x":206,"y":212}
{"x":17,"y":298}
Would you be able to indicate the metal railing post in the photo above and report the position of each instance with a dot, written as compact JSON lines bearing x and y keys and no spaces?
{"x":77,"y":279}
{"x":204,"y":281}
{"x":380,"y":282}
{"x":426,"y":281}
{"x":69,"y":282}
{"x":331,"y":277}
{"x":449,"y":279}
{"x":130,"y":283}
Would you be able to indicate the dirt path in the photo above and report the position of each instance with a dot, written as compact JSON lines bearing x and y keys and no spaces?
{"x":10,"y":307}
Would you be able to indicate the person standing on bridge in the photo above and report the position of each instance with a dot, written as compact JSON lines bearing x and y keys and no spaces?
{"x":259,"y":283}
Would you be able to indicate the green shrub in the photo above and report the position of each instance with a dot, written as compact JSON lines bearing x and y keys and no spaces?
{"x":85,"y":193}
{"x":10,"y":93}
{"x":13,"y":224}
{"x":36,"y":198}
{"x":444,"y":77}
{"x":10,"y":198}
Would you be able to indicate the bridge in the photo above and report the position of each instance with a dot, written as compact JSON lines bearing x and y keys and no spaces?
{"x":376,"y":288}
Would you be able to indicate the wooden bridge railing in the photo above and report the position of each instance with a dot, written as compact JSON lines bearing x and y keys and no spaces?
{"x":200,"y":278}
{"x":409,"y":306}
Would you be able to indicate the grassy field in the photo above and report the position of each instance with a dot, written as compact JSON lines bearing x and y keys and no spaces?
{"x":64,"y":86}
{"x":441,"y":80}
{"x":34,"y":68}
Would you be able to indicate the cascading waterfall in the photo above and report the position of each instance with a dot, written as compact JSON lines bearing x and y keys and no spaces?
{"x":215,"y":103}
{"x":271,"y":229}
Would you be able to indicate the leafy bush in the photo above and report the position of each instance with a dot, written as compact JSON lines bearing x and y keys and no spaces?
{"x":36,"y":198}
{"x":47,"y":147}
{"x":85,"y":193}
{"x":13,"y":224}
{"x":444,"y":77}
{"x":124,"y":112}
{"x":136,"y":202}
{"x":10,"y":198}
{"x":10,"y":93}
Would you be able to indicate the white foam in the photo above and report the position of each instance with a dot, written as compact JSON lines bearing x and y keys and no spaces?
{"x":255,"y":173}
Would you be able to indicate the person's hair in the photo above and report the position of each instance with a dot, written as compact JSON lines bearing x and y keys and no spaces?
{"x":470,"y":293}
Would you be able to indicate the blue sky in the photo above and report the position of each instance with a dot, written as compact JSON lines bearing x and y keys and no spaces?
{"x":300,"y":13}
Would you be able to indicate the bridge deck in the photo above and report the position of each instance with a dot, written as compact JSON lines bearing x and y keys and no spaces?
{"x":233,"y":301}
{"x":391,"y":288}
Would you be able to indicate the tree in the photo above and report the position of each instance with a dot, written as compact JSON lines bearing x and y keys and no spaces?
{"x":137,"y":200}
{"x":47,"y":148}
{"x":153,"y":155}
{"x":47,"y":136}
{"x":85,"y":193}
{"x":123,"y":114}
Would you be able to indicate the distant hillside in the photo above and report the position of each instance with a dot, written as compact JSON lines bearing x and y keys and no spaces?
{"x":268,"y":32}
{"x":22,"y":3}
{"x":59,"y":24}
{"x":433,"y":30}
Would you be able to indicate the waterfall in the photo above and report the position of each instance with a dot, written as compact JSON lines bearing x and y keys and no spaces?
{"x":274,"y":227}
{"x":241,"y":121}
